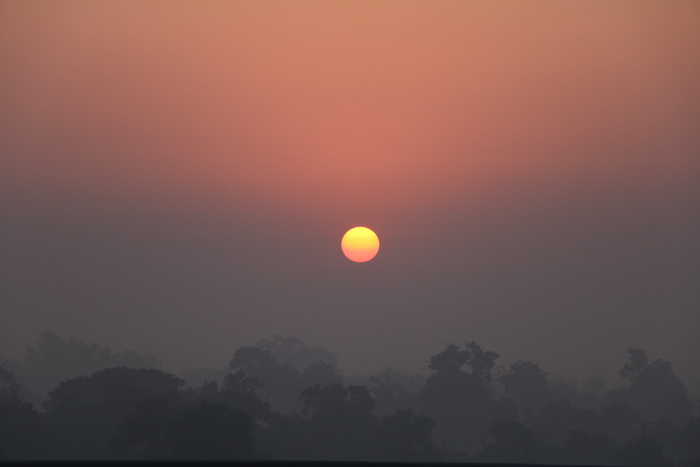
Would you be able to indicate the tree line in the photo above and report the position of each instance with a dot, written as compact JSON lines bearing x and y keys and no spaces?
{"x":282,"y":399}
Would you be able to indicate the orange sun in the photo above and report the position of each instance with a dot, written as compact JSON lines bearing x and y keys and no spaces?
{"x":360,"y":244}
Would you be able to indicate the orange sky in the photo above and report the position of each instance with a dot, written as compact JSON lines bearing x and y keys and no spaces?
{"x":395,"y":104}
{"x":441,"y":123}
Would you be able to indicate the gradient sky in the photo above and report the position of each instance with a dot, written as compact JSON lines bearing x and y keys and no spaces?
{"x":175,"y":177}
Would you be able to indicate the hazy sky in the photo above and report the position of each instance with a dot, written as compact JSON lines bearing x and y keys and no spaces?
{"x":175,"y":177}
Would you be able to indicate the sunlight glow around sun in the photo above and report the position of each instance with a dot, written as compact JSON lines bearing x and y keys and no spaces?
{"x":360,"y":244}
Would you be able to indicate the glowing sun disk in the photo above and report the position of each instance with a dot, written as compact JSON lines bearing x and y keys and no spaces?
{"x":360,"y":244}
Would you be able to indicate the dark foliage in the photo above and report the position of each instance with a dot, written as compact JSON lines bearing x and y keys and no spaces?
{"x":282,"y":400}
{"x":54,"y":359}
{"x":212,"y":431}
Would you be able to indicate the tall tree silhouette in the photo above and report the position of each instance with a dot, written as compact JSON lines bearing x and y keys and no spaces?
{"x":407,"y":437}
{"x":525,"y":384}
{"x":240,"y":391}
{"x":292,"y":350}
{"x":511,"y":441}
{"x":280,"y":384}
{"x":85,"y":412}
{"x":654,"y":390}
{"x":21,"y":427}
{"x":211,"y":431}
{"x":340,"y":421}
{"x":54,"y":359}
{"x":458,"y":399}
{"x":395,"y":390}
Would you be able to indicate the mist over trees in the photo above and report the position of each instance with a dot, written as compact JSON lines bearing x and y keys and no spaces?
{"x":54,"y":359}
{"x":283,"y":399}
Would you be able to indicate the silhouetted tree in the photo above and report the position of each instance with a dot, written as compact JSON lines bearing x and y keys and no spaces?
{"x":618,"y":419}
{"x":638,"y":361}
{"x":407,"y":437}
{"x":555,"y":420}
{"x":84,"y":412}
{"x":157,"y":428}
{"x":454,"y":414}
{"x":642,"y":452}
{"x":241,"y":381}
{"x":481,"y":361}
{"x":691,"y":442}
{"x":9,"y":387}
{"x":144,"y":431}
{"x":198,"y":376}
{"x":395,"y":390}
{"x":21,"y":427}
{"x":255,"y":361}
{"x":459,"y":400}
{"x":449,"y":361}
{"x":287,"y":437}
{"x":280,"y":384}
{"x":240,"y":391}
{"x":587,"y":448}
{"x":587,"y":395}
{"x":511,"y":441}
{"x":340,"y":421}
{"x":322,"y":373}
{"x":212,"y":431}
{"x":333,"y":401}
{"x":22,"y":432}
{"x":54,"y":359}
{"x":654,"y":390}
{"x":295,"y":352}
{"x":526,"y":385}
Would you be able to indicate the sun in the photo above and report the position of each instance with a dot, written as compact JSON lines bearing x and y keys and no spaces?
{"x":360,"y":244}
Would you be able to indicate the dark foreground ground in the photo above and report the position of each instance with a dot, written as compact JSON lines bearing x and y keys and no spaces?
{"x":268,"y":464}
